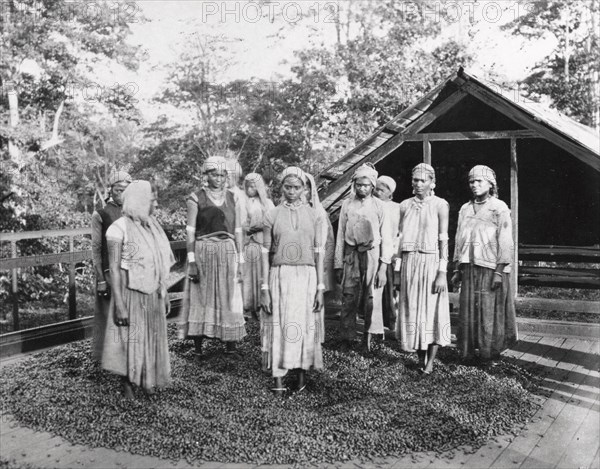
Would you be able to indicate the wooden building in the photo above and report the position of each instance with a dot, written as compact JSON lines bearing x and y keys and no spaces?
{"x":547,"y":166}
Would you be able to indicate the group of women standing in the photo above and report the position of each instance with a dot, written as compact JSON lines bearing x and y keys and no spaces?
{"x":248,"y":257}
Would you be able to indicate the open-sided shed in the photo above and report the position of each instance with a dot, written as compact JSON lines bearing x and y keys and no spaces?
{"x":547,"y":166}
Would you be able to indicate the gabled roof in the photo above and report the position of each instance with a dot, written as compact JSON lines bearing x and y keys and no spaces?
{"x":581,"y":141}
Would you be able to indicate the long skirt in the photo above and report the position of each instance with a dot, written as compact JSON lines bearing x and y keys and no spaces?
{"x":252,"y":276}
{"x":292,"y":334}
{"x":487,"y":319}
{"x":139,"y":351}
{"x":423,"y":316}
{"x":213,"y":307}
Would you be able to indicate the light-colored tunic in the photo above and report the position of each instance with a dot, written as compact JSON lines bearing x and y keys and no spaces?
{"x":292,"y":334}
{"x":424,"y":316}
{"x":487,"y":318}
{"x":140,"y":351}
{"x":364,"y":238}
{"x":252,"y":268}
{"x":484,"y":238}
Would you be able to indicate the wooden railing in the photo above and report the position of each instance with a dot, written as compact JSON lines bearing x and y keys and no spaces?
{"x":70,"y":257}
{"x":560,"y":276}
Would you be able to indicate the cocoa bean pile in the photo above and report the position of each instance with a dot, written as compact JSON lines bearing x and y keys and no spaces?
{"x":361,"y":406}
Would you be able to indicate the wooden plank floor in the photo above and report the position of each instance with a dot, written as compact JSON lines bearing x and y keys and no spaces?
{"x":564,"y":433}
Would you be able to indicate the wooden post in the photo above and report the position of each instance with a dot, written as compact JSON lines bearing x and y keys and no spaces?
{"x":72,"y":288}
{"x":426,"y":151}
{"x":514,"y":211}
{"x":15,"y":288}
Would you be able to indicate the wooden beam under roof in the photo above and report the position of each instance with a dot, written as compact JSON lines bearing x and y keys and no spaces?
{"x":374,"y":157}
{"x":471,"y":135}
{"x":435,"y":112}
{"x":519,"y":116}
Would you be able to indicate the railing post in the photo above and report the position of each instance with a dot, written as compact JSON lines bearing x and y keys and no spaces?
{"x":72,"y":286}
{"x":15,"y":288}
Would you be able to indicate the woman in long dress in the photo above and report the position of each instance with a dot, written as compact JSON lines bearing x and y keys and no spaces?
{"x":424,"y":313}
{"x":312,"y":198}
{"x":140,"y":258}
{"x":384,"y":190}
{"x":101,"y":220}
{"x":212,"y":305}
{"x":256,"y":204}
{"x":483,"y":256}
{"x":293,"y":295}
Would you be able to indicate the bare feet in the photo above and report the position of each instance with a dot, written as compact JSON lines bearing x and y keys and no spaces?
{"x":127,"y":390}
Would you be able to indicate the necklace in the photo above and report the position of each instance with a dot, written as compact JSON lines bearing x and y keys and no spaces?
{"x":217,"y":196}
{"x":482,"y":201}
{"x":292,"y":205}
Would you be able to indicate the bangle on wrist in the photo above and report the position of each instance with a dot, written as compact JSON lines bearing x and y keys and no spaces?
{"x":264,"y":286}
{"x":321,"y":286}
{"x":191,"y":257}
{"x":498,"y":273}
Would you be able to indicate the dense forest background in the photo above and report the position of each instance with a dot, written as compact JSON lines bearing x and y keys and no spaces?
{"x":67,"y":117}
{"x":61,"y":133}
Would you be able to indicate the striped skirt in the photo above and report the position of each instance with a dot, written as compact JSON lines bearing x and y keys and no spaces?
{"x":487,"y":319}
{"x":213,"y":307}
{"x":423,"y":316}
{"x":139,"y":351}
{"x":293,"y":333}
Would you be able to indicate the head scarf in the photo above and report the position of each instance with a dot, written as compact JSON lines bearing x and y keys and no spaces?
{"x":118,"y":176}
{"x":148,"y":256}
{"x":388,"y":181}
{"x":212,"y":163}
{"x":366,"y":171}
{"x":261,"y":189}
{"x":483,"y":172}
{"x":425,"y":168}
{"x":314,"y":194}
{"x":293,"y":171}
{"x":233,"y":167}
{"x":137,"y":199}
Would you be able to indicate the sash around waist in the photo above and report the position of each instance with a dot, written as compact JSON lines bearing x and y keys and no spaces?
{"x":217,"y":236}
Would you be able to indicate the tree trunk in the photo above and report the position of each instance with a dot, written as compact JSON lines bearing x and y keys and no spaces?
{"x":567,"y":54}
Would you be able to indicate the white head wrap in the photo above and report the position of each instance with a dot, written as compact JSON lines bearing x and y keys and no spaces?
{"x":366,"y":171}
{"x":483,"y":172}
{"x":118,"y":176}
{"x":293,"y":171}
{"x":233,"y":166}
{"x":425,"y":168}
{"x":388,"y":181}
{"x":214,"y":163}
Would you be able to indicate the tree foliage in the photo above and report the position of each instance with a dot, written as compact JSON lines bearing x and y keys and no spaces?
{"x":570,"y":74}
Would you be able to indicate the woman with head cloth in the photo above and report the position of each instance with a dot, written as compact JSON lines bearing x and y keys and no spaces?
{"x":256,"y":204}
{"x":363,"y":251}
{"x":101,"y":220}
{"x":234,"y":176}
{"x":424,"y":312}
{"x":312,"y":197}
{"x":212,"y":304}
{"x":483,"y":255}
{"x":384,"y":191}
{"x":135,"y":345}
{"x":292,"y":296}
